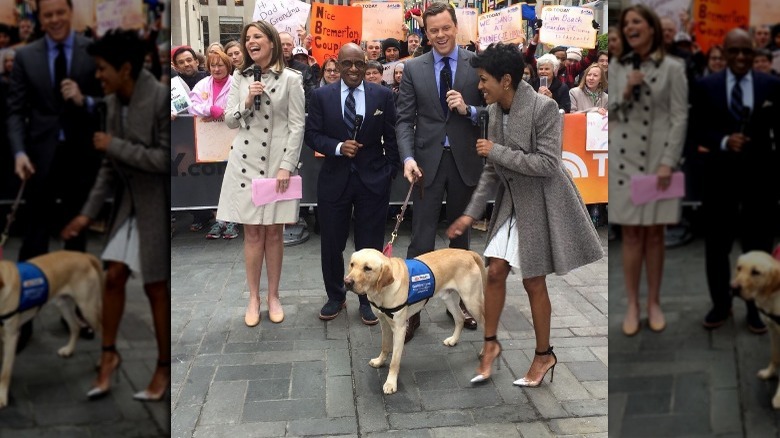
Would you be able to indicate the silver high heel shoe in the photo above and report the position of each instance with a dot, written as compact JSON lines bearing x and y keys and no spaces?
{"x":479,"y":378}
{"x":96,"y":392}
{"x":146,"y":396}
{"x":535,"y":384}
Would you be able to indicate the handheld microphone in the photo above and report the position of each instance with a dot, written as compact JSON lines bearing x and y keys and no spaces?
{"x":446,"y":76}
{"x":744,"y":119}
{"x":258,"y":74}
{"x":101,"y":110}
{"x":636,"y":60}
{"x":358,"y":123}
{"x":483,"y":123}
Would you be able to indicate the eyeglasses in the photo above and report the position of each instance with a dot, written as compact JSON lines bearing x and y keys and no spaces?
{"x":734,"y":51}
{"x":347,"y":64}
{"x":331,"y":71}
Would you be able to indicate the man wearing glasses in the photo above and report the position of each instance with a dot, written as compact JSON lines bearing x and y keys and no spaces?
{"x":352,"y":123}
{"x":736,"y":117}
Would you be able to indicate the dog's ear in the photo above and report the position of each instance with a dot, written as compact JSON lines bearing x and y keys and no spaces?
{"x":385,"y":277}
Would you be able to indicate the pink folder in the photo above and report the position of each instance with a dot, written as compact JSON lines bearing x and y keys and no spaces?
{"x":264,"y":190}
{"x":644,"y":188}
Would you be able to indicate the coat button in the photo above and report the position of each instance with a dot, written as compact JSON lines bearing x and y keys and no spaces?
{"x":652,"y":80}
{"x":247,"y":128}
{"x":630,"y":106}
{"x":262,"y":158}
{"x":284,"y":150}
{"x":265,"y":129}
{"x":647,"y":93}
{"x":243,"y":170}
{"x":620,"y":182}
{"x":641,"y":168}
{"x":252,"y":115}
{"x":246,"y":141}
{"x":273,"y":89}
{"x":264,"y":144}
{"x":262,"y":173}
{"x":647,"y":108}
{"x":266,"y":116}
{"x":645,"y":122}
{"x":621,"y":166}
{"x":276,"y":77}
{"x":666,"y":143}
{"x":642,"y":153}
{"x":625,"y":135}
{"x":644,"y":138}
{"x":243,"y":185}
{"x":267,"y":102}
{"x":231,"y":148}
{"x":622,"y":151}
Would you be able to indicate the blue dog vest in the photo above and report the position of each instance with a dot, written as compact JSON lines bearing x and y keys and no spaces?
{"x":35,"y":287}
{"x":421,"y":281}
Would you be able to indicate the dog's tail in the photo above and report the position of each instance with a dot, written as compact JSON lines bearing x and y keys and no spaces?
{"x":96,"y":318}
{"x":480,"y":310}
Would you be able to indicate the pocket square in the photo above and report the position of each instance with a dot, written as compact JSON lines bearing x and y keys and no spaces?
{"x":378,"y":112}
{"x":767,"y":104}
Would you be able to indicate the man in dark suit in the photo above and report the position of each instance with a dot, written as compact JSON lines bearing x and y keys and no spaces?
{"x":735,"y":113}
{"x":360,"y":162}
{"x":437,"y":134}
{"x":50,"y":127}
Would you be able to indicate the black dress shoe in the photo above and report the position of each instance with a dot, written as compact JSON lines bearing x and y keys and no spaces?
{"x":331,"y":309}
{"x":367,"y":315}
{"x":411,"y":325}
{"x":754,"y":323}
{"x":470,"y":323}
{"x":716,"y":318}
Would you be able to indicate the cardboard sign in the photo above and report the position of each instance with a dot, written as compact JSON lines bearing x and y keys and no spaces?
{"x":389,"y":69}
{"x":568,"y":26}
{"x":180,"y":95}
{"x":119,"y":14}
{"x":83,"y":15}
{"x":502,"y":26}
{"x":212,"y":141}
{"x":467,"y":25}
{"x":714,"y":18}
{"x":283,"y":15}
{"x":589,"y":169}
{"x":8,"y":12}
{"x":597,"y":132}
{"x":382,"y":20}
{"x":331,"y":27}
{"x":764,"y":12}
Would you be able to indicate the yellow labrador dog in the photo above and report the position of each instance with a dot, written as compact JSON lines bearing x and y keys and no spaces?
{"x":68,"y":273}
{"x":397,"y":289}
{"x":757,"y":278}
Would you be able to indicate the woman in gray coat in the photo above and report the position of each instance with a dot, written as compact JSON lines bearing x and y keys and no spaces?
{"x":540,"y":224}
{"x":136,"y":173}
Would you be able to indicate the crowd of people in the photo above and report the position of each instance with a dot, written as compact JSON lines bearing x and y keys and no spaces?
{"x":424,"y":122}
{"x":715,"y":111}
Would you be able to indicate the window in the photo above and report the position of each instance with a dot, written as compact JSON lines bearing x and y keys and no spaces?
{"x":239,"y":2}
{"x":206,"y":37}
{"x":204,"y":2}
{"x":222,"y":2}
{"x":230,"y":28}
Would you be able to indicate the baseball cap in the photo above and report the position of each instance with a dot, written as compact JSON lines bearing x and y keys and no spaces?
{"x":298,"y":50}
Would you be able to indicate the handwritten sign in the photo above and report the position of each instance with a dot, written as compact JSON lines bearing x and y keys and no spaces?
{"x":8,"y":12}
{"x":212,"y":141}
{"x":382,"y":20}
{"x":283,"y":15}
{"x":714,"y":18}
{"x":467,"y":25}
{"x":389,"y":70}
{"x":567,"y":26}
{"x":589,"y":169}
{"x":764,"y":12}
{"x":83,"y":15}
{"x":597,"y":130}
{"x":502,"y":26}
{"x":332,"y":26}
{"x":180,"y":98}
{"x":119,"y":14}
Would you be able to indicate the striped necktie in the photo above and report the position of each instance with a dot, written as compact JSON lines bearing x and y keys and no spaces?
{"x":350,"y":113}
{"x":737,"y":107}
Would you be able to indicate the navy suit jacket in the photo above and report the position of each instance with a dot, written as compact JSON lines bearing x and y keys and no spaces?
{"x":712,"y":119}
{"x":376,"y":163}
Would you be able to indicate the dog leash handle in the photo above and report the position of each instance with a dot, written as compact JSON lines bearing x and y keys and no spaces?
{"x":12,"y":215}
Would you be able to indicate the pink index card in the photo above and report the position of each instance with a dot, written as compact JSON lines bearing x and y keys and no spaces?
{"x":644,"y":188}
{"x":264,"y":190}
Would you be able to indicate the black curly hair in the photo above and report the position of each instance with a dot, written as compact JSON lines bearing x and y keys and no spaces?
{"x":118,"y":46}
{"x":500,"y":59}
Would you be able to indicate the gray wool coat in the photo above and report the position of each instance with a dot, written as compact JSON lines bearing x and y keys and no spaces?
{"x":555,"y":232}
{"x":136,"y":172}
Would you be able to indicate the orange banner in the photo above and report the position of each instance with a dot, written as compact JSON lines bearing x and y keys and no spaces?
{"x":589,"y":169}
{"x":332,"y":26}
{"x":714,"y":18}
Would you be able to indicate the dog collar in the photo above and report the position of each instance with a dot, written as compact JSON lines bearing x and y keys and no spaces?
{"x":35,"y":289}
{"x":422,"y":284}
{"x":772,"y":316}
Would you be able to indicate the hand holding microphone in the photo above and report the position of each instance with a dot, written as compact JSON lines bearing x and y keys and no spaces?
{"x":258,"y":75}
{"x":350,"y":147}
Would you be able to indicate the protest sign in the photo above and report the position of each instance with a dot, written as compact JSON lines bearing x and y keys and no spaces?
{"x":714,"y":18}
{"x":8,"y":12}
{"x":501,"y":26}
{"x":467,"y":25}
{"x":119,"y":14}
{"x":764,"y":12}
{"x":382,"y":20}
{"x":83,"y":15}
{"x":180,"y":95}
{"x":597,"y":130}
{"x":283,"y":15}
{"x":212,"y":140}
{"x":568,"y":26}
{"x":389,"y":68}
{"x":331,"y":27}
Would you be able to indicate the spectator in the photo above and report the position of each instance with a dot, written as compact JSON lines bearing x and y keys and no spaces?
{"x":233,"y":51}
{"x":214,"y":48}
{"x":412,"y":43}
{"x":716,"y":60}
{"x":356,"y":173}
{"x":391,"y":49}
{"x":647,"y":125}
{"x":309,"y":79}
{"x":330,"y":72}
{"x":528,"y":171}
{"x":546,"y":66}
{"x":26,"y":32}
{"x":591,"y":94}
{"x":138,"y":153}
{"x":374,"y":73}
{"x":762,"y":61}
{"x":277,"y":144}
{"x":614,"y":45}
{"x":436,"y":133}
{"x":5,"y":36}
{"x":398,"y":74}
{"x":529,"y":74}
{"x":603,"y":61}
{"x":761,"y":36}
{"x":7,"y":56}
{"x":373,"y":50}
{"x":187,"y":65}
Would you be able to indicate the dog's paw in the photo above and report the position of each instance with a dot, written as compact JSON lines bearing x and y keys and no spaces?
{"x":376,"y":362}
{"x":767,"y":373}
{"x":65,"y":352}
{"x":389,"y":388}
{"x":451,"y":341}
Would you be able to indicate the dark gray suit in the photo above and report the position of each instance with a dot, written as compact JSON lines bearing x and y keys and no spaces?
{"x":420,"y":133}
{"x":66,"y":169}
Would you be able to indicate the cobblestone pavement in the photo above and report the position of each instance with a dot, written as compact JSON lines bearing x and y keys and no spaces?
{"x":48,"y":393}
{"x":305,"y":377}
{"x":686,"y":381}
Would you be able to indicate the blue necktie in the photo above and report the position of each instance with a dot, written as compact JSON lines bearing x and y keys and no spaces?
{"x":737,"y":107}
{"x":350,"y":113}
{"x":445,"y":84}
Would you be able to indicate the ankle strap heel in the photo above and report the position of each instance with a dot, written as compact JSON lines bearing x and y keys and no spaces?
{"x":552,"y":368}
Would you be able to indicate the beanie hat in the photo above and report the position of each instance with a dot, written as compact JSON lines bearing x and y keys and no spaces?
{"x":574,"y":53}
{"x":390,"y":42}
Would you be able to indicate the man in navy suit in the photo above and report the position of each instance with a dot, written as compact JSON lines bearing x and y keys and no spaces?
{"x":736,"y":118}
{"x":360,"y":163}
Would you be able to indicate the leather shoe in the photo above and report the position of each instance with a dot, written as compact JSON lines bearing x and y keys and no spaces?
{"x":411,"y":325}
{"x":331,"y":309}
{"x":754,"y":323}
{"x":470,"y":323}
{"x":716,"y":318}
{"x":367,"y":315}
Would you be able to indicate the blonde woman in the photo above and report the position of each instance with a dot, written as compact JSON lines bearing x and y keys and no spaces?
{"x":591,"y":94}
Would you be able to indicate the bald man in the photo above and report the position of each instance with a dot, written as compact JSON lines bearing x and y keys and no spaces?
{"x":734,"y":115}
